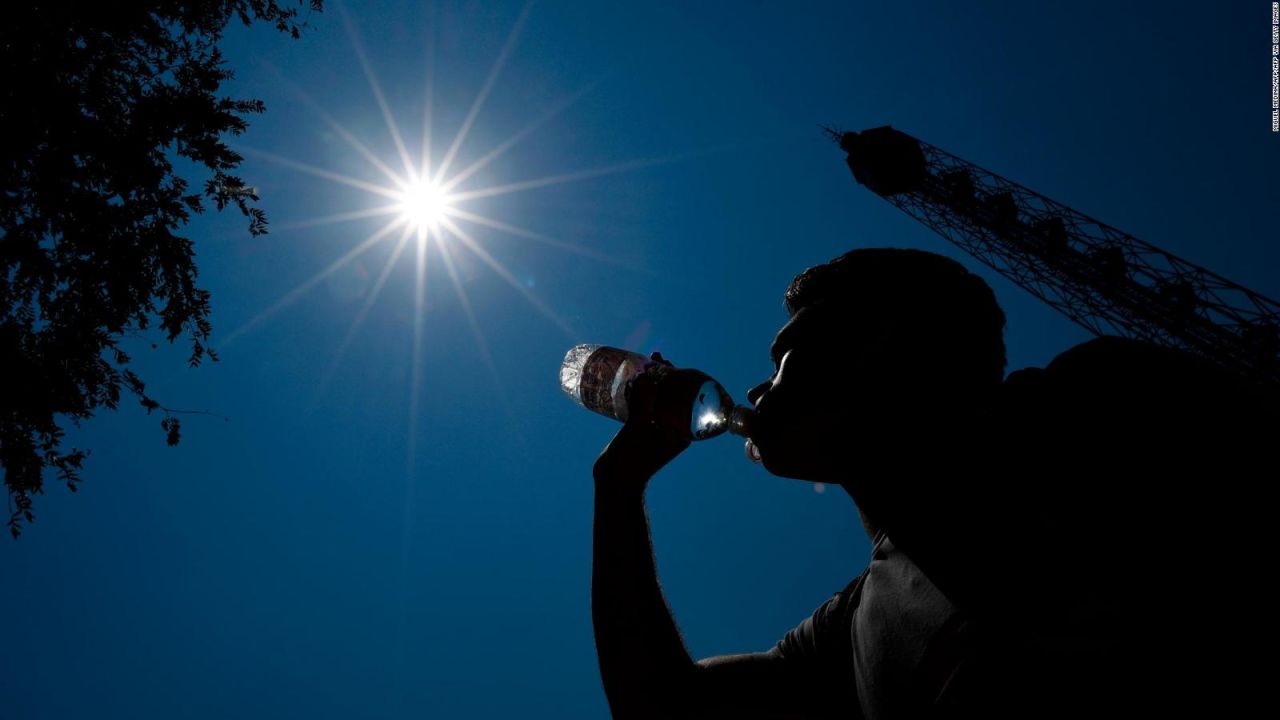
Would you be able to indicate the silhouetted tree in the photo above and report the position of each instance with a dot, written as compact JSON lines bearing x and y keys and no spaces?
{"x":99,"y":101}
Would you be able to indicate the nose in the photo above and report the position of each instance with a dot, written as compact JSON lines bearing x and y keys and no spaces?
{"x":753,"y":395}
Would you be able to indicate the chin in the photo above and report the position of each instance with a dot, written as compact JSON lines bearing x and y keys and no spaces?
{"x":796,"y":452}
{"x":782,"y":464}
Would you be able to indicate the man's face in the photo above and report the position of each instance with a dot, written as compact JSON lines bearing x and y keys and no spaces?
{"x":802,"y":409}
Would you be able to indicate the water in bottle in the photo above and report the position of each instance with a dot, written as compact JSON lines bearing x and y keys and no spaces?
{"x":597,"y":377}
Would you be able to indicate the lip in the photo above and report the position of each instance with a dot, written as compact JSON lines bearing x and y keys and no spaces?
{"x":759,"y":418}
{"x":759,"y":432}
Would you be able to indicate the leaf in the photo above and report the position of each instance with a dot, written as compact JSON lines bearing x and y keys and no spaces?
{"x":102,"y":98}
{"x":172,"y":430}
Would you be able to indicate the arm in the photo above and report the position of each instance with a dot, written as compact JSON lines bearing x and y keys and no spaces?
{"x":647,"y":671}
{"x":643,"y":661}
{"x":645,"y":668}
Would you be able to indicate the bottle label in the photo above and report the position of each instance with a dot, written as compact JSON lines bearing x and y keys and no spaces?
{"x":600,"y":381}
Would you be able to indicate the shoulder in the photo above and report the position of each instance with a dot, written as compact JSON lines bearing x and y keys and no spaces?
{"x":1110,"y":359}
{"x":1111,"y":356}
{"x":1113,"y":371}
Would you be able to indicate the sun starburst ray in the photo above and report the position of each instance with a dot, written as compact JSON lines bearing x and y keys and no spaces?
{"x":334,"y":125}
{"x":419,"y":315}
{"x":321,"y":172}
{"x":496,"y":152}
{"x":354,"y":35}
{"x":474,"y":246}
{"x":461,"y":214}
{"x":429,"y":93}
{"x":369,"y":300}
{"x":338,"y":218}
{"x":483,"y":94}
{"x":293,"y":295}
{"x":481,"y":343}
{"x":559,"y":179}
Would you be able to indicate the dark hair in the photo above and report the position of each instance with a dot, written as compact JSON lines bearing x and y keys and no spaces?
{"x":930,"y":306}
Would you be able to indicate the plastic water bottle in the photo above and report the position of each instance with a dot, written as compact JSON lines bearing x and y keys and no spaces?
{"x":597,"y":377}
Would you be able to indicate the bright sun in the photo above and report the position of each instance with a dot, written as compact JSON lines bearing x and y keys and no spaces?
{"x":423,"y":204}
{"x":425,"y":198}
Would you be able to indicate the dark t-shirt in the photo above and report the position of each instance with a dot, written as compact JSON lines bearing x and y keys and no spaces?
{"x":881,"y":624}
{"x":1090,"y":545}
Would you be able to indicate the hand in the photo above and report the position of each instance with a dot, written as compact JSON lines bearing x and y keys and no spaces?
{"x":657,"y":427}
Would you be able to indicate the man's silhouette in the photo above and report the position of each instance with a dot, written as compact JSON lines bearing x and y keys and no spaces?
{"x":1067,"y":541}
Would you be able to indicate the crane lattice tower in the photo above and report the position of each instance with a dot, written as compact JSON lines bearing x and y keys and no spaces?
{"x":1100,"y":277}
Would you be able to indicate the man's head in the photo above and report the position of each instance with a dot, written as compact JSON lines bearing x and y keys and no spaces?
{"x":878,"y":338}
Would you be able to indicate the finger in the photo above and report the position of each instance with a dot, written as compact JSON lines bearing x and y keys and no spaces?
{"x":657,"y":357}
{"x":640,"y":398}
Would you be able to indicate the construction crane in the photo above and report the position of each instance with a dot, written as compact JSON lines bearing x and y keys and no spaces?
{"x":1100,"y":277}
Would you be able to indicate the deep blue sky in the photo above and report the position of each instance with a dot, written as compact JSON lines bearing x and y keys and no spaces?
{"x":319,"y":555}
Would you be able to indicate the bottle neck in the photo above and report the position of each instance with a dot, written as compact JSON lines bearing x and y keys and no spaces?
{"x":740,"y":420}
